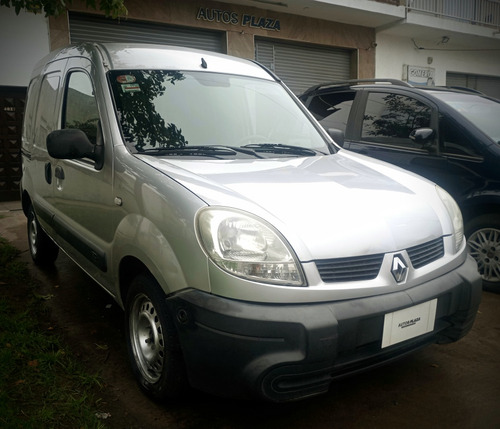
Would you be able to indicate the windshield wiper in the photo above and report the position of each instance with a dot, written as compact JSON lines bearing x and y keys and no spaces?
{"x":216,"y":151}
{"x":282,"y":149}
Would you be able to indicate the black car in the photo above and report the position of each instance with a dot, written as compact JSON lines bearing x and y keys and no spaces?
{"x":448,"y":135}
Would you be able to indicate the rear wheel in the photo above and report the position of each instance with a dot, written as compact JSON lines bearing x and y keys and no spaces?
{"x":483,"y":238}
{"x":42,"y":249}
{"x":152,"y":341}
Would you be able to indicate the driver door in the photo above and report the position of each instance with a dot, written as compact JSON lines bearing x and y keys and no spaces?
{"x":83,"y":191}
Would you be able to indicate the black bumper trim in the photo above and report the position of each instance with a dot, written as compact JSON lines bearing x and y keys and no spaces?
{"x":283,"y":352}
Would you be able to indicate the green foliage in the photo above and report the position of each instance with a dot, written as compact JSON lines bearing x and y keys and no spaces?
{"x":112,"y":8}
{"x":10,"y":268}
{"x":42,"y":385}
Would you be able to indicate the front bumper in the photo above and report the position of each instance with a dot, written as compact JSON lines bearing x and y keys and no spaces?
{"x":286,"y":352}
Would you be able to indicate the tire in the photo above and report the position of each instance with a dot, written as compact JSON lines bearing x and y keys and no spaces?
{"x":483,"y":239}
{"x":152,"y":341}
{"x":42,"y":249}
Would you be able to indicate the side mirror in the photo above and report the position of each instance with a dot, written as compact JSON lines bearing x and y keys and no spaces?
{"x":422,"y":135}
{"x":72,"y":143}
{"x":337,"y":135}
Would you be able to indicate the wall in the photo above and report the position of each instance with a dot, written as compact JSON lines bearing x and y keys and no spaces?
{"x":393,"y":53}
{"x":24,"y":39}
{"x":240,"y":39}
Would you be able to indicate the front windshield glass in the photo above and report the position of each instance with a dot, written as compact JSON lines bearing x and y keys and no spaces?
{"x":484,"y":113}
{"x":168,"y":111}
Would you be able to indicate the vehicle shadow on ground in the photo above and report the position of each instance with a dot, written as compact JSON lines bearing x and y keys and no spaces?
{"x":438,"y":386}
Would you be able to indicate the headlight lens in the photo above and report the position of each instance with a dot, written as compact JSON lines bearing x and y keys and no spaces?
{"x":455,"y":216}
{"x":248,"y":247}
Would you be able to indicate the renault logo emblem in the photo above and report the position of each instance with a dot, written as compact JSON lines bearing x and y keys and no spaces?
{"x":399,"y":268}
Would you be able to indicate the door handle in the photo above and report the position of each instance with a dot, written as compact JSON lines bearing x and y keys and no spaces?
{"x":59,"y":173}
{"x":48,"y":173}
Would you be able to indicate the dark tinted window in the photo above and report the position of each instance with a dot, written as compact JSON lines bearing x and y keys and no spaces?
{"x":390,"y":118}
{"x":453,"y":140}
{"x":80,"y":105}
{"x":332,"y":110}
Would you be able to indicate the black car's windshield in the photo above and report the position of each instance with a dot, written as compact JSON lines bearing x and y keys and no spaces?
{"x":164,"y":112}
{"x":482,"y":112}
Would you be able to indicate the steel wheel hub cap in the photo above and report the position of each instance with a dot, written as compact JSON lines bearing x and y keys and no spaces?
{"x":147,"y":339}
{"x":32,"y":236}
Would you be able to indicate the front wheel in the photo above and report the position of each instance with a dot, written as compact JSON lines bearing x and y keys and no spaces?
{"x":42,"y":249}
{"x":152,"y":341}
{"x":483,"y":238}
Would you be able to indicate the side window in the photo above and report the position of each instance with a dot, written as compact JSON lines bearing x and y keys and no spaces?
{"x":332,"y":110}
{"x":80,"y":106}
{"x":453,"y":141}
{"x":30,"y":111}
{"x":46,"y":118}
{"x":390,"y":118}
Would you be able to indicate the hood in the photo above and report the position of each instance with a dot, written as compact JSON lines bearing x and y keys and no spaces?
{"x":326,"y":206}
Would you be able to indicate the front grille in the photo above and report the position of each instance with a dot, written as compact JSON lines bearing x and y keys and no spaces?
{"x":426,"y":253}
{"x":350,"y":269}
{"x":361,"y":268}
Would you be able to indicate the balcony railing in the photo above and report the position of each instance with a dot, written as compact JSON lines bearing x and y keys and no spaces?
{"x":480,"y":12}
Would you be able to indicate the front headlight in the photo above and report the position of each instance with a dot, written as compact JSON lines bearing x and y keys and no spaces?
{"x":455,"y":216}
{"x":248,"y":247}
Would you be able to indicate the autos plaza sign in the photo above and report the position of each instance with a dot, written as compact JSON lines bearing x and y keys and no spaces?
{"x":233,"y":18}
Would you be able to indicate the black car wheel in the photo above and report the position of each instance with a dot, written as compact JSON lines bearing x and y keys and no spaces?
{"x":483,"y":238}
{"x":42,"y":249}
{"x":152,"y":341}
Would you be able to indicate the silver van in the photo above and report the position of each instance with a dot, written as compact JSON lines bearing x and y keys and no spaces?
{"x":252,"y":256}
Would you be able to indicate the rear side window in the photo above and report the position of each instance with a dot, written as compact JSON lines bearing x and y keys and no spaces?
{"x":30,"y":111}
{"x":332,"y":110}
{"x":80,"y":106}
{"x":390,"y":118}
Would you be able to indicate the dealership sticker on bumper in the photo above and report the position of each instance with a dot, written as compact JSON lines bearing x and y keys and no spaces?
{"x":409,"y":323}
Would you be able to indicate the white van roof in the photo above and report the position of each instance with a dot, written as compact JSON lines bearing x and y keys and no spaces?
{"x":119,"y":56}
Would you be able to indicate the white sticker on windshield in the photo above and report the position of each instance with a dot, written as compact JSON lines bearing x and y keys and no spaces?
{"x":130,"y":87}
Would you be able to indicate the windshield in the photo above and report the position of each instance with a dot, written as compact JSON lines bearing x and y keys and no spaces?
{"x":484,"y":113}
{"x":207,"y":114}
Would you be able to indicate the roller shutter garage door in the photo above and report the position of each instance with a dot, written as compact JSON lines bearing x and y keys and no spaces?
{"x":91,"y":28}
{"x":302,"y":66}
{"x":489,"y":85}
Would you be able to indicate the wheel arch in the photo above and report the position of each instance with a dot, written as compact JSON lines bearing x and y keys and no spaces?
{"x":480,"y":206}
{"x":141,"y":246}
{"x":25,"y":202}
{"x":129,"y":268}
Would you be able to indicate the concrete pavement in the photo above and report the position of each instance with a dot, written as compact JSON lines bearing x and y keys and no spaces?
{"x":12,"y":220}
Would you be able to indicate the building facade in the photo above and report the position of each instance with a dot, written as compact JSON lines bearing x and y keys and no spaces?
{"x":305,"y":42}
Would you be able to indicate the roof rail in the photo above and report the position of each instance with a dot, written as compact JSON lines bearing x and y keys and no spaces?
{"x":357,"y":81}
{"x":462,"y":88}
